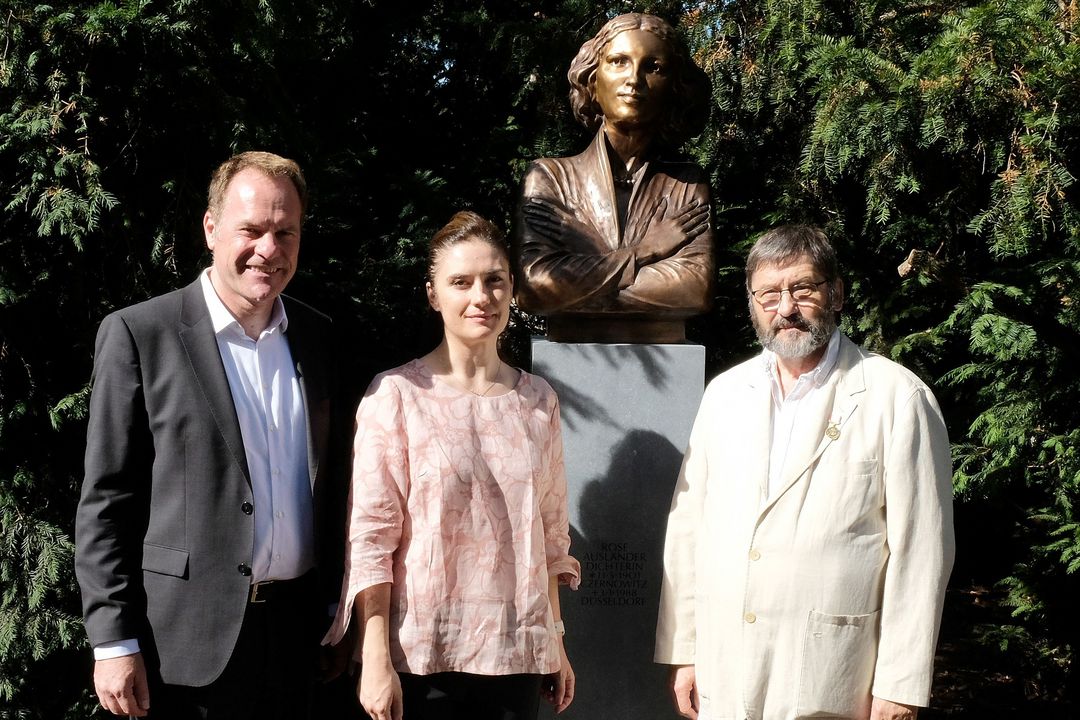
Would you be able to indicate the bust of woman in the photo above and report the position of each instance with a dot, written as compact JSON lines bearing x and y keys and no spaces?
{"x":614,"y":244}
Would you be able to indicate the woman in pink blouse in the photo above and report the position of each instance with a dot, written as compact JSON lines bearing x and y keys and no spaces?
{"x":458,"y":536}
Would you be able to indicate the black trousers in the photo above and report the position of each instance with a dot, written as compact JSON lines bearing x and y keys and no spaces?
{"x":464,"y":696}
{"x":271,"y":674}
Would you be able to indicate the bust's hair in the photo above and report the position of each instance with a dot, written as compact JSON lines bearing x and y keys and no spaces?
{"x":465,"y":225}
{"x":268,"y":164}
{"x":688,"y":107}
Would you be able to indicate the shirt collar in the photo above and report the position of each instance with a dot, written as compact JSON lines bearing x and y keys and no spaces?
{"x":605,"y":162}
{"x":222,"y":319}
{"x":819,"y":375}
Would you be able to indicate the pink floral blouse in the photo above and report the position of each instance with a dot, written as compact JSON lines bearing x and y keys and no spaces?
{"x":460,"y":502}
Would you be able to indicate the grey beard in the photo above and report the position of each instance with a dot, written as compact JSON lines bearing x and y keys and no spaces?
{"x":806,"y":343}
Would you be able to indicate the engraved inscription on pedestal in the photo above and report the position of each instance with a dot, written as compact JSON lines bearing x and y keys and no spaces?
{"x":614,"y":576}
{"x":627,"y":411}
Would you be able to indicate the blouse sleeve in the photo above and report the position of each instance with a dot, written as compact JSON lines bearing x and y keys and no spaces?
{"x":553,"y":510}
{"x":377,"y":497}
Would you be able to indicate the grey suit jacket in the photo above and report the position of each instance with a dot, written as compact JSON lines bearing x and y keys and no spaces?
{"x":162,"y":537}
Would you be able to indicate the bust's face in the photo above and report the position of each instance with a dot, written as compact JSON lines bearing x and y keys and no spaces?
{"x":633,"y":81}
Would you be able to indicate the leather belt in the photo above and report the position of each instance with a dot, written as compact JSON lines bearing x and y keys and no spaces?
{"x":271,"y":590}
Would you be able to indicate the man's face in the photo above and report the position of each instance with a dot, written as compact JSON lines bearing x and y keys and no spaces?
{"x":255,"y":239}
{"x":633,"y":80}
{"x":795,"y":329}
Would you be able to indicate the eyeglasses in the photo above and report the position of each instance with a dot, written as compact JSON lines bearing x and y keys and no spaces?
{"x":801,"y":294}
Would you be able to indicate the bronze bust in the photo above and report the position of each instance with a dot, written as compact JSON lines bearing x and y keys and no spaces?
{"x":614,"y":244}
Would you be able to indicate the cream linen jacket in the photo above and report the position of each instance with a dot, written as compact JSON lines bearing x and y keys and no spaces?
{"x":805,"y":604}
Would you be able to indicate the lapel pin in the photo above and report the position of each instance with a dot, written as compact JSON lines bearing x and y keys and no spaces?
{"x":833,"y":431}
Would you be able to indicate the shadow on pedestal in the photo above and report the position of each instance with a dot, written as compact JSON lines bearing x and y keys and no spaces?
{"x":611,"y":620}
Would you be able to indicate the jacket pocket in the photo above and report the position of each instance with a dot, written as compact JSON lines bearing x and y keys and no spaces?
{"x":165,"y":560}
{"x":706,"y":711}
{"x":839,"y":652}
{"x":845,"y":495}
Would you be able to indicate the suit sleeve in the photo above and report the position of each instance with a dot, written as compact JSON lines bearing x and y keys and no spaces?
{"x":918,"y":500}
{"x":676,"y":637}
{"x":331,"y":540}
{"x":114,"y":505}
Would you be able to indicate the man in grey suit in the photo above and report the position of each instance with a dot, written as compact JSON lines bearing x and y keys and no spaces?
{"x":208,"y":534}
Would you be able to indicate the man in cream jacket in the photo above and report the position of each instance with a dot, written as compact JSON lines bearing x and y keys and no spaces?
{"x":810,"y":536}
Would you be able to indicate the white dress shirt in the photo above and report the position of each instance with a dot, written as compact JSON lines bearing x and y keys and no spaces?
{"x":786,"y":409}
{"x":270,"y":409}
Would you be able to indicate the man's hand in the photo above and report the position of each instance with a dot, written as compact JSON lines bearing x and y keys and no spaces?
{"x":379,"y":691}
{"x":120,"y":684}
{"x":684,"y":688}
{"x":888,"y":710}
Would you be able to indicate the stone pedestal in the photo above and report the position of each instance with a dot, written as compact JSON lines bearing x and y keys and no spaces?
{"x":627,"y":411}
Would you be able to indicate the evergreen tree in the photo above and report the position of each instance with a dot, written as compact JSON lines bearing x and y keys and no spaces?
{"x":937,"y":143}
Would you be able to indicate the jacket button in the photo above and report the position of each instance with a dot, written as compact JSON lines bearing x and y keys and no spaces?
{"x":750,"y":617}
{"x":755,"y":554}
{"x":243,"y":569}
{"x":247,"y":508}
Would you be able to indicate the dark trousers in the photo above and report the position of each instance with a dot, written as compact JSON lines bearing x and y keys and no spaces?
{"x":464,"y":696}
{"x":271,"y":673}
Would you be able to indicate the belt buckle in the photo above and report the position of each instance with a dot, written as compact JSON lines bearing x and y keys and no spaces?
{"x":255,"y":591}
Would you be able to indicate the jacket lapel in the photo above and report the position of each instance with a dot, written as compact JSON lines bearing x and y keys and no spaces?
{"x":809,"y":439}
{"x":601,"y":191}
{"x":309,"y":372}
{"x":823,"y":419}
{"x":197,"y":337}
{"x":758,"y":424}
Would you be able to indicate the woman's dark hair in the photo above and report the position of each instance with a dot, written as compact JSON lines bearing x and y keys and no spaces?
{"x":464,"y":226}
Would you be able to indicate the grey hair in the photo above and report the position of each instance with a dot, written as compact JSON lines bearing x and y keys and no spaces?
{"x":786,"y":243}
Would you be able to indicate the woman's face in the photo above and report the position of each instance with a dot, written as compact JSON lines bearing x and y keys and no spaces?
{"x":633,"y":81}
{"x":471,"y":288}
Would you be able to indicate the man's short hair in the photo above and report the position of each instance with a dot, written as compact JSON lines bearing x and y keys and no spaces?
{"x":788,"y":243}
{"x":266,"y":163}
